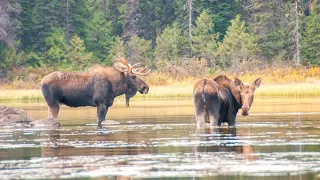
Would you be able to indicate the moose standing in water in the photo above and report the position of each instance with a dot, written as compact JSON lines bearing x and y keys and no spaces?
{"x":217,"y":101}
{"x":98,"y":87}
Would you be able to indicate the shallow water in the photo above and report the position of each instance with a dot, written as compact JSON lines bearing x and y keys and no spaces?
{"x":158,"y":139}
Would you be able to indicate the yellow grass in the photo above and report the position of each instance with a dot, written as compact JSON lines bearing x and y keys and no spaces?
{"x":276,"y":82}
{"x":269,"y":76}
{"x":281,"y":90}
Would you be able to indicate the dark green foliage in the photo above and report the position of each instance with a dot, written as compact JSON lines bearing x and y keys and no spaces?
{"x":311,"y":39}
{"x":171,"y":46}
{"x":204,"y":42}
{"x":99,"y":37}
{"x":222,"y":11}
{"x":115,"y":14}
{"x":155,"y":32}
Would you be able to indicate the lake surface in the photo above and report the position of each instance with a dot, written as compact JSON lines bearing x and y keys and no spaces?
{"x":158,"y":139}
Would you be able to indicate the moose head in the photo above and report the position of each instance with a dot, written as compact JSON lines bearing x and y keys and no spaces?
{"x":246,"y":93}
{"x":133,"y":82}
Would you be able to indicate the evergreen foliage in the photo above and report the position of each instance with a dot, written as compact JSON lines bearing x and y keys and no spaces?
{"x":77,"y":33}
{"x":238,"y":47}
{"x":171,"y":45}
{"x":311,"y":39}
{"x":77,"y":54}
{"x":204,"y":41}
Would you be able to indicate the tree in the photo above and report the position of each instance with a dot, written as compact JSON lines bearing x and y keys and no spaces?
{"x":141,"y":51}
{"x":56,"y":45}
{"x":171,"y":45}
{"x":115,"y":13}
{"x":77,"y":54}
{"x":100,"y":37}
{"x":266,"y":21}
{"x":204,"y":41}
{"x":311,"y":39}
{"x":9,"y":24}
{"x":117,"y":49}
{"x":80,"y":15}
{"x":10,"y":58}
{"x":238,"y":46}
{"x":222,"y":11}
{"x":131,"y":18}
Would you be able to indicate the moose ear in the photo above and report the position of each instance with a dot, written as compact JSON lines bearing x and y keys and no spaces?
{"x":238,"y":82}
{"x":256,"y":83}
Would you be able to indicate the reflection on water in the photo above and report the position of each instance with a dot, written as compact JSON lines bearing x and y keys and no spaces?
{"x":159,"y":139}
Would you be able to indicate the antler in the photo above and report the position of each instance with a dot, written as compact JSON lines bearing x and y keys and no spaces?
{"x":141,"y":71}
{"x":124,"y":66}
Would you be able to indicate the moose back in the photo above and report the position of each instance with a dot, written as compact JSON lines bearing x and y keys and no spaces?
{"x":217,"y":101}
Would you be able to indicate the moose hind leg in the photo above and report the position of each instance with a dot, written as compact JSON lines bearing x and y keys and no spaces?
{"x":102,"y":110}
{"x":213,"y":119}
{"x":200,"y":118}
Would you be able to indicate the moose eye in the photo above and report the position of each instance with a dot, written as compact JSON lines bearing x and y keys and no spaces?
{"x":133,"y":77}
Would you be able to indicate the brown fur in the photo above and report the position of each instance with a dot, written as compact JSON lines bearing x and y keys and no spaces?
{"x":217,"y":101}
{"x":97,"y":87}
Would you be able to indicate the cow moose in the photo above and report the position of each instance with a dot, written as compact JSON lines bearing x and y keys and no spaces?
{"x":217,"y":101}
{"x":97,"y":87}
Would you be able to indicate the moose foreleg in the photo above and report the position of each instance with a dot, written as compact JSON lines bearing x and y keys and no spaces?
{"x":53,"y":111}
{"x":127,"y":102}
{"x":102,"y":110}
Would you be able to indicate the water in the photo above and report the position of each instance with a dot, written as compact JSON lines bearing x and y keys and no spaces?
{"x":158,"y":139}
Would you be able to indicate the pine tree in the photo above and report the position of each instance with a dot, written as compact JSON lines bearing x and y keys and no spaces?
{"x":266,"y":19}
{"x":238,"y":46}
{"x":204,"y":41}
{"x":117,"y":50}
{"x":80,"y":15}
{"x":131,"y":19}
{"x":115,"y":10}
{"x":99,"y":37}
{"x":222,"y":11}
{"x":56,"y":46}
{"x":77,"y":54}
{"x":141,"y":51}
{"x":311,"y":39}
{"x":171,"y":45}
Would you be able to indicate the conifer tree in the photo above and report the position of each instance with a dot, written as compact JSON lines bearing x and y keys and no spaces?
{"x":77,"y":54}
{"x":141,"y":51}
{"x":204,"y":41}
{"x":171,"y":45}
{"x":238,"y":46}
{"x":311,"y":39}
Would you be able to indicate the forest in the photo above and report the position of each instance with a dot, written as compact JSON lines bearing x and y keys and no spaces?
{"x":191,"y":37}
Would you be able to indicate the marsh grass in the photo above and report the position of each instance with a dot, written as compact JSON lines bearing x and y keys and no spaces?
{"x":299,"y":90}
{"x":276,"y":82}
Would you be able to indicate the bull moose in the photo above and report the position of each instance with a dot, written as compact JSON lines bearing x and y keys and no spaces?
{"x":217,"y":101}
{"x":97,"y":87}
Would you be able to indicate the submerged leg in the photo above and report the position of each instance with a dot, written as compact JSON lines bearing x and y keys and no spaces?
{"x":213,"y":118}
{"x":101,"y":113}
{"x":200,"y":118}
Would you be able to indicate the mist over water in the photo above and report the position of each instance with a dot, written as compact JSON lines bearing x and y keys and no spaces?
{"x":159,"y":139}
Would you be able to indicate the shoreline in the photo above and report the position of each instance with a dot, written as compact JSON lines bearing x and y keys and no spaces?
{"x":299,"y":90}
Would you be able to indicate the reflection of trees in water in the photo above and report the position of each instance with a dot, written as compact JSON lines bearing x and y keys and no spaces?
{"x":226,"y":140}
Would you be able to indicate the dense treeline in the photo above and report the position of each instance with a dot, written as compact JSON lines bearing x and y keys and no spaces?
{"x":224,"y":34}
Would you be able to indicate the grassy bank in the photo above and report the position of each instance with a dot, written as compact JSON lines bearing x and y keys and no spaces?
{"x":276,"y":82}
{"x":299,"y":90}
